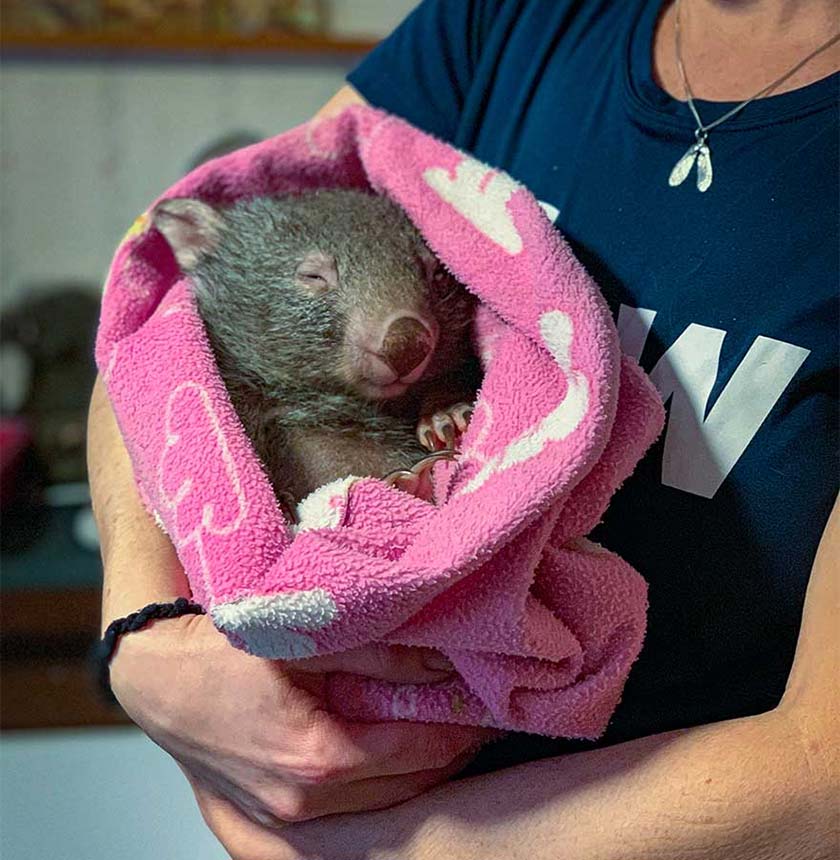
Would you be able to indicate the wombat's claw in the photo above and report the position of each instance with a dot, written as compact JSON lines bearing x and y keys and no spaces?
{"x":288,"y":505}
{"x":405,"y":480}
{"x":439,"y":429}
{"x":417,"y":480}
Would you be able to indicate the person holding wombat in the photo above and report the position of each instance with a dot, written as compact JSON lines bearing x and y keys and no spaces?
{"x":688,"y":151}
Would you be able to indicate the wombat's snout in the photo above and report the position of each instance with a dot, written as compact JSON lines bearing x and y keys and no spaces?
{"x":394,"y":354}
{"x":407,"y":346}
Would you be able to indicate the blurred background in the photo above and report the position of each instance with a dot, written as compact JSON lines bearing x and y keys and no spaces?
{"x":103,"y":104}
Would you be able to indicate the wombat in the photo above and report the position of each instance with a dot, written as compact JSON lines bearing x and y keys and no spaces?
{"x":342,"y":340}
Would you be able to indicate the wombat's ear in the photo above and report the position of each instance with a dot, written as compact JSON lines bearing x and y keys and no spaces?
{"x":191,"y":227}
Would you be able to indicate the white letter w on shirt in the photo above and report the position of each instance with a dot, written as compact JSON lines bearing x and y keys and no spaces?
{"x":700,"y":449}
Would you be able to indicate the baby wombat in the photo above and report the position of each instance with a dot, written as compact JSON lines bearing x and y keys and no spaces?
{"x":342,"y":340}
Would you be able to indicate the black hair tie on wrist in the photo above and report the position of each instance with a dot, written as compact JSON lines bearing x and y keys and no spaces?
{"x":103,"y":650}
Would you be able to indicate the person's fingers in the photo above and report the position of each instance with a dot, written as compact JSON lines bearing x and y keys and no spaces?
{"x":341,"y":752}
{"x":261,"y":834}
{"x":385,"y":662}
{"x":400,"y":747}
{"x":206,"y":782}
{"x":283,"y":804}
{"x":294,"y":804}
{"x":242,"y":836}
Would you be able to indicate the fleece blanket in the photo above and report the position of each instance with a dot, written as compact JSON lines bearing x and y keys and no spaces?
{"x":541,"y":624}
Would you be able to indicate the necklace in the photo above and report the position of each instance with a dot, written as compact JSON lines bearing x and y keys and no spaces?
{"x":699,"y":151}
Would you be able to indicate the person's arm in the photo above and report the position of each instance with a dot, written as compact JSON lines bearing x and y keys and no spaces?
{"x":345,"y":97}
{"x":138,"y":561}
{"x":760,"y":788}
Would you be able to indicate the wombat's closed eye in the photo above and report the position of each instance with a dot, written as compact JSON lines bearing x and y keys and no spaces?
{"x":317,"y":273}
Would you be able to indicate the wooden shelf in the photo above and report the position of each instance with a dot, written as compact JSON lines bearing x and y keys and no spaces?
{"x":83,"y":44}
{"x":47,"y":692}
{"x":47,"y":681}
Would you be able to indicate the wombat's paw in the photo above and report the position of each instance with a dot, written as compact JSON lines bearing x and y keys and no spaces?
{"x":438,"y":431}
{"x":417,"y":481}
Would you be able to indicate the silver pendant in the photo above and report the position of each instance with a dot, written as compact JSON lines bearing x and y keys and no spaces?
{"x":700,"y":154}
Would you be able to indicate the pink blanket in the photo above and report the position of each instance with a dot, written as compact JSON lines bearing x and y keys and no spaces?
{"x":541,"y":624}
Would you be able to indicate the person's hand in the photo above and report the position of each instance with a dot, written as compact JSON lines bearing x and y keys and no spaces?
{"x":398,"y":833}
{"x":255,"y":733}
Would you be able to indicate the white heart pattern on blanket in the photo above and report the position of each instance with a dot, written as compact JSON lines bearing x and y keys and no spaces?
{"x":480,"y":194}
{"x":557,"y":331}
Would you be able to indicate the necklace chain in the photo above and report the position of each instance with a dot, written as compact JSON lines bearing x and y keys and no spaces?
{"x":699,"y":154}
{"x":703,"y":130}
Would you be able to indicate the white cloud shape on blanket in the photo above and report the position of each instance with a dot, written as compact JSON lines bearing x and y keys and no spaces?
{"x":182,"y":467}
{"x":480,"y":194}
{"x":557,"y":332}
{"x":263,"y":622}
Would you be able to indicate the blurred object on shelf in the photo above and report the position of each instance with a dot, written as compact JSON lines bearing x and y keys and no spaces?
{"x":220,"y":146}
{"x":269,"y":16}
{"x":50,"y":17}
{"x":53,"y":17}
{"x":24,"y":516}
{"x":85,"y":533}
{"x":15,"y":378}
{"x":14,"y":442}
{"x":169,"y":17}
{"x":54,"y":326}
{"x":172,"y":16}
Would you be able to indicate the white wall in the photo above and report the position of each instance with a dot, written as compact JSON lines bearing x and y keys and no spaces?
{"x":369,"y":17}
{"x":87,"y":145}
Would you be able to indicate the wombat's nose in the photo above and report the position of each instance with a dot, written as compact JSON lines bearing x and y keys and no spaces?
{"x":407,"y":345}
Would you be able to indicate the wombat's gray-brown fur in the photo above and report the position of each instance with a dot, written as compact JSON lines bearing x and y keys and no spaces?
{"x":312,"y":304}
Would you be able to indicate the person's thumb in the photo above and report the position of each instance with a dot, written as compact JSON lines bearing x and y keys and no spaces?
{"x":386,"y":662}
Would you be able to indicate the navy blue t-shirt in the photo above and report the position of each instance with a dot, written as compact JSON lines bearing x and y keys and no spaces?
{"x":728,"y":298}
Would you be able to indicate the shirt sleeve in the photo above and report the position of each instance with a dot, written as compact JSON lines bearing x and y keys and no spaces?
{"x":423,"y":70}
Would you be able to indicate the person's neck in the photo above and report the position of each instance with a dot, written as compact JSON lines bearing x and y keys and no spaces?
{"x":731,"y":48}
{"x":768,"y":17}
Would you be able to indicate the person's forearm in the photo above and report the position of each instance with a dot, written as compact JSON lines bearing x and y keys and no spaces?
{"x":140,"y":565}
{"x":760,"y":788}
{"x":744,"y":788}
{"x":740,"y":789}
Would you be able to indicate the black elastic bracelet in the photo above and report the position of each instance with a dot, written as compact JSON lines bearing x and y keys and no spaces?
{"x":104,"y":649}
